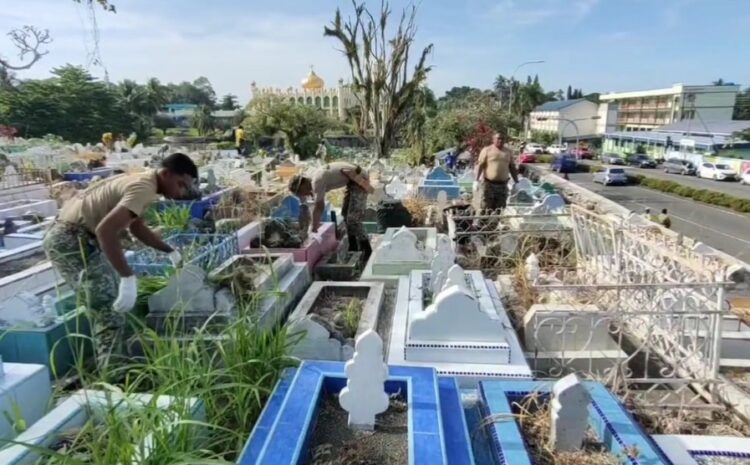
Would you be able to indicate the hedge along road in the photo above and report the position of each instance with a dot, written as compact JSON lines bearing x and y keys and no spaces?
{"x":715,"y":226}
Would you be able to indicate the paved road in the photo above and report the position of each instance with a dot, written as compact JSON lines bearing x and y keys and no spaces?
{"x":722,"y":229}
{"x":732,"y":188}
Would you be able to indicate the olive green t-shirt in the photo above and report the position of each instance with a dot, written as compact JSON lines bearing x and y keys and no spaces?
{"x":132,"y":191}
{"x":329,"y":178}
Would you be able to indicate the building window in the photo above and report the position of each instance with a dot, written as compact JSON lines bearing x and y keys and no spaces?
{"x":309,"y":101}
{"x":301,"y":100}
{"x":335,"y":101}
{"x":317,"y":102}
{"x":326,"y":101}
{"x":291,"y":100}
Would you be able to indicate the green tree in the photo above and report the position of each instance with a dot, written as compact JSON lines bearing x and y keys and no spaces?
{"x":742,"y":106}
{"x":199,"y":92}
{"x":379,"y":67}
{"x":302,"y":126}
{"x":229,"y":102}
{"x":202,"y":120}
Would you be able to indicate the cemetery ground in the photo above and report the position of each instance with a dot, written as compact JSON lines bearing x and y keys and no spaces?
{"x":547,"y":333}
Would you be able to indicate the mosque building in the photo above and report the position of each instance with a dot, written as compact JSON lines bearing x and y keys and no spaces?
{"x":333,"y":100}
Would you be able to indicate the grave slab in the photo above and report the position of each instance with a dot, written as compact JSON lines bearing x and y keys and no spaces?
{"x":318,"y":343}
{"x":26,"y":387}
{"x":400,"y":251}
{"x":614,"y":427}
{"x":685,"y":449}
{"x":437,"y":434}
{"x":15,"y":208}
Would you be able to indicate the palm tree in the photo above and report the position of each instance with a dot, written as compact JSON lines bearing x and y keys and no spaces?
{"x":156,"y":94}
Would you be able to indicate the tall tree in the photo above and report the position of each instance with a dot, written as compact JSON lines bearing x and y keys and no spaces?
{"x":229,"y":102}
{"x":742,"y":106}
{"x":202,"y":120}
{"x":379,"y":67}
{"x":569,"y":95}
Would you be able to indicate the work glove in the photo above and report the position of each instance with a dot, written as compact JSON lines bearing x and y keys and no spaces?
{"x":127,"y":294}
{"x":475,"y":186}
{"x":317,"y":236}
{"x":175,"y":258}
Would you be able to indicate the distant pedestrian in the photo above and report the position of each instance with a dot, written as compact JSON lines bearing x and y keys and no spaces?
{"x":664,"y":219}
{"x":239,"y":139}
{"x":647,"y":214}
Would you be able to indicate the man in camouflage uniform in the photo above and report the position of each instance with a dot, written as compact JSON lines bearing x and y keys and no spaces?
{"x":84,"y":242}
{"x":335,"y":176}
{"x":495,"y":167}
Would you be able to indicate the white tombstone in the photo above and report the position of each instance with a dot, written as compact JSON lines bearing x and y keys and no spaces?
{"x":550,"y":204}
{"x":455,"y":277}
{"x":444,"y":258}
{"x":364,"y":395}
{"x":532,"y":268}
{"x":454,"y":316}
{"x":401,"y":248}
{"x":523,"y":184}
{"x":211,"y":179}
{"x":442,"y":200}
{"x":569,"y":414}
{"x":188,"y":290}
{"x":397,"y":189}
{"x":10,"y":170}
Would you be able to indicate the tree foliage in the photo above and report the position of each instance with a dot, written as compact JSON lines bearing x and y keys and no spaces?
{"x":202,"y":120}
{"x":198,"y":92}
{"x":229,"y":102}
{"x":742,"y":106}
{"x":302,"y":126}
{"x":380,"y":67}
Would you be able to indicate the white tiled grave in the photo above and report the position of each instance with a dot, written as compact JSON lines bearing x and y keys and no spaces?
{"x":683,"y":449}
{"x":401,"y":251}
{"x":465,"y":331}
{"x":13,"y":208}
{"x":571,"y":337}
{"x":25,"y":393}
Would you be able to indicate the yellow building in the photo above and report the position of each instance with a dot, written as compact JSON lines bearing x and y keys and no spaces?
{"x":312,"y":91}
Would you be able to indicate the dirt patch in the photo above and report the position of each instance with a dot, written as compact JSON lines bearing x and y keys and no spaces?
{"x":333,"y":443}
{"x":15,"y":266}
{"x":342,"y":313}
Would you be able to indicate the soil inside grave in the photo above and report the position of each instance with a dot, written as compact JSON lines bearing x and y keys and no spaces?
{"x":339,"y":312}
{"x":333,"y":443}
{"x":14,"y":266}
{"x":534,"y":421}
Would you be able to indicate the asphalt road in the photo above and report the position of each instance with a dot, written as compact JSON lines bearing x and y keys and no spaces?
{"x":722,"y":229}
{"x":732,"y":188}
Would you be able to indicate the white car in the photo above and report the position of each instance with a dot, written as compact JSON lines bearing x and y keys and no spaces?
{"x":717,"y":172}
{"x":611,"y":176}
{"x":533,"y":147}
{"x":745,"y":178}
{"x":555,"y":149}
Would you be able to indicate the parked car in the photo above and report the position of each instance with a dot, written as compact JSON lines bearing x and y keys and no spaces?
{"x":611,"y":176}
{"x":675,"y":165}
{"x":612,"y":159}
{"x":717,"y":172}
{"x":583,"y":153}
{"x":564,"y":163}
{"x":641,"y":161}
{"x":527,"y":157}
{"x":555,"y":149}
{"x":745,"y":178}
{"x":533,"y":147}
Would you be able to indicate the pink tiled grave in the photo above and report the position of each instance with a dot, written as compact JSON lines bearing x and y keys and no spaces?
{"x":310,"y":252}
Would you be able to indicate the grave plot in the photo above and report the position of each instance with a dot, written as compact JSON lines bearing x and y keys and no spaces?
{"x":340,"y":265}
{"x":18,"y":208}
{"x":25,"y":394}
{"x":24,"y":184}
{"x":568,"y":422}
{"x":266,"y":285}
{"x":332,"y":315}
{"x":436,"y":181}
{"x":32,"y":332}
{"x":82,"y":413}
{"x":410,"y":415}
{"x":87,"y":175}
{"x":203,"y":250}
{"x":399,"y":252}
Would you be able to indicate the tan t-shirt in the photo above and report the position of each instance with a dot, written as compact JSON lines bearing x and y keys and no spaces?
{"x":330,"y":178}
{"x":497,"y":163}
{"x":89,"y":207}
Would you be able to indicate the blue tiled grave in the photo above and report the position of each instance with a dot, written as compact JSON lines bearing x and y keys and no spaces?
{"x":613,"y":425}
{"x":684,"y":449}
{"x":24,"y":388}
{"x":437,"y":426}
{"x":439,"y":180}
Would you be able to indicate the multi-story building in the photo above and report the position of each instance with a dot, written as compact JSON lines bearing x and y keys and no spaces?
{"x":333,"y":100}
{"x":650,"y":109}
{"x":567,"y":118}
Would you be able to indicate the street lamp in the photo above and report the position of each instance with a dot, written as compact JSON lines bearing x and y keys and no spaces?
{"x":512,"y":77}
{"x":568,"y":121}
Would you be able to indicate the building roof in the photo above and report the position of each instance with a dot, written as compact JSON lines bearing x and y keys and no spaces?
{"x":716,"y":128}
{"x":558,"y":105}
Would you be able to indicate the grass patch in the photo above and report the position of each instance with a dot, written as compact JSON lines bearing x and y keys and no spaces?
{"x":701,"y":195}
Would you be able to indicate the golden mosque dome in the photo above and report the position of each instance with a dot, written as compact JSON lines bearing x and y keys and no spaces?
{"x":312,"y":81}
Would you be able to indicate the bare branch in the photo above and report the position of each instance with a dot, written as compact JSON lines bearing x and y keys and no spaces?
{"x":29,"y":41}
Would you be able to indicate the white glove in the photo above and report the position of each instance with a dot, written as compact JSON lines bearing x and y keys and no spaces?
{"x":128,"y":292}
{"x":175,"y":258}
{"x":317,"y":236}
{"x":475,"y":186}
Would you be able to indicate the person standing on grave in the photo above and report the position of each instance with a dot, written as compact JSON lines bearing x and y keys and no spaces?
{"x":239,"y":139}
{"x":664,"y":219}
{"x":322,"y":152}
{"x":495,"y":167}
{"x":83,"y":244}
{"x":335,"y":176}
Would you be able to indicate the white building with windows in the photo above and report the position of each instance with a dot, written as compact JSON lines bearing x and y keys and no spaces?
{"x":333,"y":100}
{"x":569,"y":118}
{"x":650,"y":109}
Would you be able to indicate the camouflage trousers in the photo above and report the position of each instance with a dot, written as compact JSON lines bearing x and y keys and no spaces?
{"x":75,"y":254}
{"x":494,"y":195}
{"x":353,"y":210}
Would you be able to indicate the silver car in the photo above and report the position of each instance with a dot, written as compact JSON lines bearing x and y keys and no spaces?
{"x":612,"y":159}
{"x":611,"y":176}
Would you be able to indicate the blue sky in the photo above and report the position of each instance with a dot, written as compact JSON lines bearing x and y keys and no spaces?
{"x":597,"y":45}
